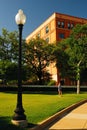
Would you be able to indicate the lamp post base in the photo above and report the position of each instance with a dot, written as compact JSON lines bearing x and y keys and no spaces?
{"x":20,"y":123}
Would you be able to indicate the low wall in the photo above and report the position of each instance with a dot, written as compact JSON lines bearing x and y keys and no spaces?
{"x":41,"y":88}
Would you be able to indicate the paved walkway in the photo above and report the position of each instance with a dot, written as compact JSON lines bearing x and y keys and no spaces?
{"x":75,"y":120}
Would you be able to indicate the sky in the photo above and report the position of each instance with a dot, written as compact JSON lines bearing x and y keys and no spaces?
{"x":37,"y":11}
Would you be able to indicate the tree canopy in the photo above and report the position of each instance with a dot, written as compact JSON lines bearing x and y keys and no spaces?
{"x":9,"y":54}
{"x":39,"y":56}
{"x":76,"y":48}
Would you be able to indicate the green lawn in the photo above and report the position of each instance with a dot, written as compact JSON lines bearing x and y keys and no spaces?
{"x":37,"y":106}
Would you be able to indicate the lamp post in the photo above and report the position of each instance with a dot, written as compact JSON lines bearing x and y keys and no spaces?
{"x":19,"y":117}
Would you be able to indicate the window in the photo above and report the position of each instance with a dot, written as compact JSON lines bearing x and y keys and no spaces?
{"x":47,"y":29}
{"x":69,"y":26}
{"x":61,"y":35}
{"x":72,"y":25}
{"x":62,"y":24}
{"x":47,"y":39}
{"x":59,"y":24}
{"x":38,"y":35}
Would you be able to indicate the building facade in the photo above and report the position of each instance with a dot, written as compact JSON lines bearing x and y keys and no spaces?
{"x":56,"y":27}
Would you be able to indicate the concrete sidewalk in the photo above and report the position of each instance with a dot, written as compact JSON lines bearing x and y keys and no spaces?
{"x":73,"y":117}
{"x":75,"y":120}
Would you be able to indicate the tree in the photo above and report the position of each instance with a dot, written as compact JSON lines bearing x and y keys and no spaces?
{"x":8,"y":40}
{"x":9,"y":52}
{"x":38,"y":57}
{"x":11,"y":72}
{"x":61,"y":58}
{"x":77,"y":51}
{"x":8,"y":45}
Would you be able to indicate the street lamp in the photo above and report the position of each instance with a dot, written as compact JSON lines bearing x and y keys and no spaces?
{"x":19,"y":117}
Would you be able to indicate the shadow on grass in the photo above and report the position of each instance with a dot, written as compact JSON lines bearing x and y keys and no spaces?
{"x":5,"y":124}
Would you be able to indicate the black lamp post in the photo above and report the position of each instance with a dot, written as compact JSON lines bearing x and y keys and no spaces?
{"x":19,"y":117}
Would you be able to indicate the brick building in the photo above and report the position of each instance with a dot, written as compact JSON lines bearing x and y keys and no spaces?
{"x":56,"y":27}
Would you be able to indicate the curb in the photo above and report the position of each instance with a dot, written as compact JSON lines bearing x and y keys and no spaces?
{"x":44,"y":124}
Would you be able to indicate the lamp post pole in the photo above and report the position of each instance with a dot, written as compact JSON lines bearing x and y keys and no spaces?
{"x":19,"y":117}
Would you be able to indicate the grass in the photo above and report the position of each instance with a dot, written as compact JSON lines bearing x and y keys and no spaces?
{"x":37,"y":106}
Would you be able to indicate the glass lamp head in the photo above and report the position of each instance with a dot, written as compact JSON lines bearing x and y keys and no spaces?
{"x":20,"y":18}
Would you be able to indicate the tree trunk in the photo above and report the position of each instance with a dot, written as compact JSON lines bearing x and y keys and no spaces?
{"x":78,"y":77}
{"x":78,"y":86}
{"x":40,"y":78}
